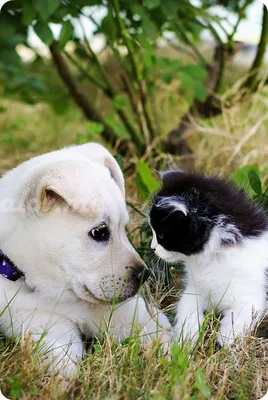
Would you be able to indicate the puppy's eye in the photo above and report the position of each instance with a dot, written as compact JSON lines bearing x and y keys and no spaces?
{"x":100,"y":234}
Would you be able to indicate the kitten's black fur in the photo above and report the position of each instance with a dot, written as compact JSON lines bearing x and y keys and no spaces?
{"x":210,"y":201}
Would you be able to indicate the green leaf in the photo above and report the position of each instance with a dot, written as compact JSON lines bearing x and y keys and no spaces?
{"x":108,"y":27}
{"x":6,"y":30}
{"x":170,"y":8}
{"x":66,"y":34}
{"x":200,"y":91}
{"x":241,"y":179}
{"x":117,"y":127}
{"x":119,"y":102}
{"x":196,"y":72}
{"x":60,"y":107}
{"x":44,"y":32}
{"x":167,"y":78}
{"x":9,"y":57}
{"x":200,"y":383}
{"x":59,"y":14}
{"x":94,"y":128}
{"x":28,"y":13}
{"x":167,"y":63}
{"x":141,"y":188}
{"x":147,"y":177}
{"x":254,"y":181}
{"x":83,"y":3}
{"x":32,"y":83}
{"x":163,"y":361}
{"x":13,"y":41}
{"x":97,"y":348}
{"x":46,"y":8}
{"x":148,"y":59}
{"x":186,"y":79}
{"x":149,"y":28}
{"x":151,"y":4}
{"x":82,"y":139}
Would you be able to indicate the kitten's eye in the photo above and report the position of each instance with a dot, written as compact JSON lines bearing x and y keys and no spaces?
{"x":100,"y":233}
{"x":161,"y":236}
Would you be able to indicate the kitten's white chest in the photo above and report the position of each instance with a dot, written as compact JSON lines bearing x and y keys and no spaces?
{"x":229,"y":275}
{"x":213,"y":282}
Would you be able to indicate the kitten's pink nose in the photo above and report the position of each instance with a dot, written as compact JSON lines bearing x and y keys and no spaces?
{"x":154,"y":249}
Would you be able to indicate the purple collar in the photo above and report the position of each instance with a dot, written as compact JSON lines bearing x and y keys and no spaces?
{"x":8,"y":269}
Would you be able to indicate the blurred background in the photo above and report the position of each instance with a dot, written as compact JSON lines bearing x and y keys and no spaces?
{"x":160,"y":83}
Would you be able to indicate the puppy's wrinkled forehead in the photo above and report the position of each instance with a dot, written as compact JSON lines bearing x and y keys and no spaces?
{"x":103,"y":198}
{"x":84,"y":187}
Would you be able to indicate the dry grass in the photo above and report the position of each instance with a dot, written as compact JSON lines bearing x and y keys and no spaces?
{"x":237,"y":138}
{"x":124,"y":371}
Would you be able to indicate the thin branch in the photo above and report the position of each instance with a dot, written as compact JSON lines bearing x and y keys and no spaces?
{"x":129,"y":87}
{"x":221,"y":67}
{"x":95,"y":58}
{"x":239,"y":19}
{"x":190,"y":43}
{"x":81,"y":100}
{"x":137,"y":73}
{"x":182,"y":49}
{"x":124,"y":34}
{"x":84,"y":72}
{"x":110,"y":92}
{"x":259,"y":58}
{"x":134,"y":104}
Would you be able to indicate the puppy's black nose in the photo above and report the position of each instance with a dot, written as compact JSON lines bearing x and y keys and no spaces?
{"x":142,"y":274}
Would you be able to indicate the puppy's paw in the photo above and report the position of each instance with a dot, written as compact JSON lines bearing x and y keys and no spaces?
{"x":186,"y":333}
{"x":57,"y":361}
{"x":157,"y":329}
{"x":225,"y":338}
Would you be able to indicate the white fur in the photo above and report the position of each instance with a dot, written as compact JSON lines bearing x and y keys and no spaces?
{"x":173,"y":203}
{"x":48,"y":205}
{"x":229,"y":278}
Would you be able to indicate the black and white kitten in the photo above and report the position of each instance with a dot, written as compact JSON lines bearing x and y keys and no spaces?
{"x":222,"y":239}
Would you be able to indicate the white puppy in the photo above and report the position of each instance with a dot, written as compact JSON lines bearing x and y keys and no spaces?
{"x":62,"y":224}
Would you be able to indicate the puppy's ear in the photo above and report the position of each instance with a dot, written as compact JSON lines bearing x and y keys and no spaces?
{"x":99,"y":154}
{"x":51,"y":196}
{"x":62,"y":184}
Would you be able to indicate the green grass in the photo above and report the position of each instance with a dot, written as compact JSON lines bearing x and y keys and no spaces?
{"x":113,"y":370}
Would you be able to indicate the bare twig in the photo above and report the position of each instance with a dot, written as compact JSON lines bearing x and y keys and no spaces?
{"x":79,"y":97}
{"x":190,"y":43}
{"x":137,"y":73}
{"x":111,"y":93}
{"x":258,"y":61}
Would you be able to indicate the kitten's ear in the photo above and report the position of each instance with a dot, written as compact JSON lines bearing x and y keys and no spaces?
{"x":166,"y":175}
